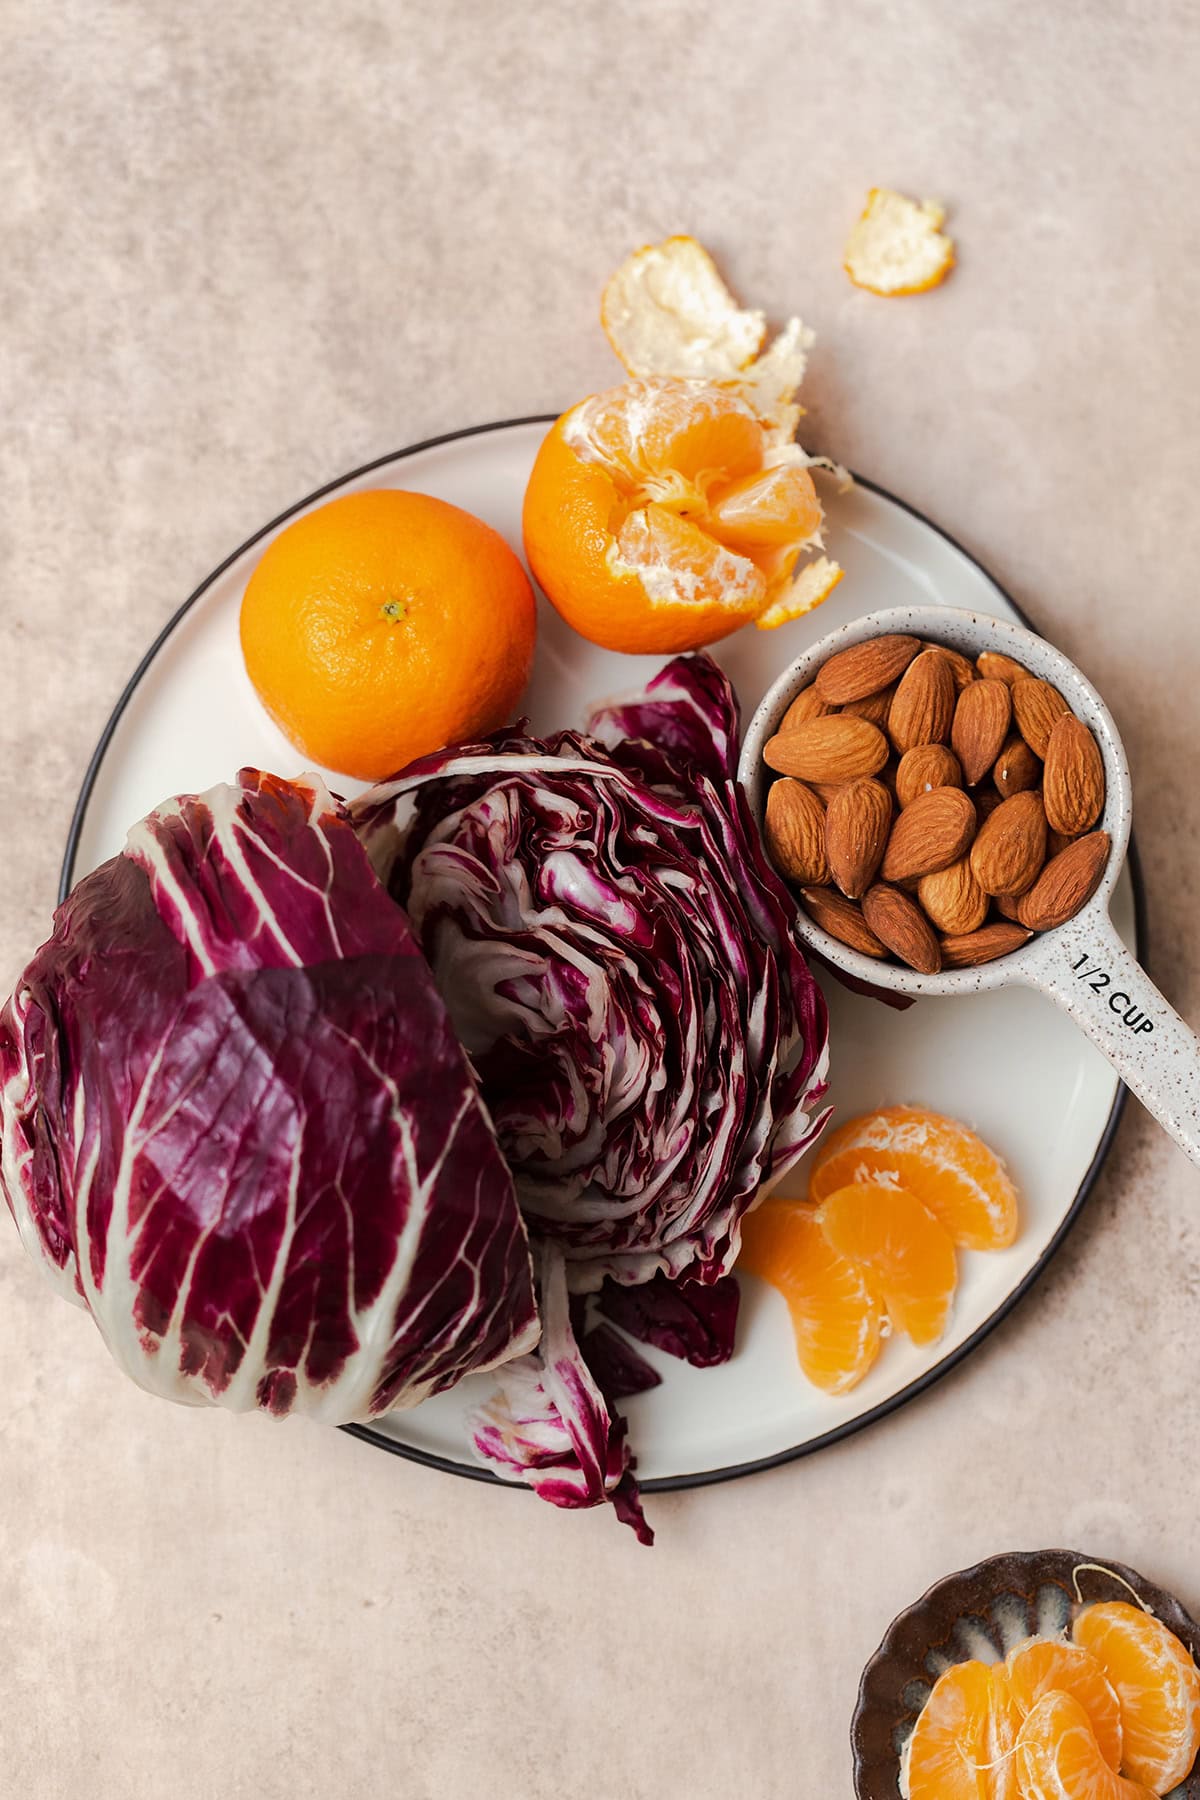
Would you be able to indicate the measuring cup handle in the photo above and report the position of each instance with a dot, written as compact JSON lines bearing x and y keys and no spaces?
{"x":1085,"y":967}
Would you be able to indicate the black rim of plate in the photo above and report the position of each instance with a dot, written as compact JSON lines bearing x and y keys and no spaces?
{"x":704,"y":1477}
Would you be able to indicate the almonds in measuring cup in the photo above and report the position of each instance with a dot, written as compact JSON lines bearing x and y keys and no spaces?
{"x":931,"y":810}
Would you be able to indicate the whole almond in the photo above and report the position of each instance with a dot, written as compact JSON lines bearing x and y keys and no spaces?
{"x":842,"y":919}
{"x":954,"y":899}
{"x":923,"y":768}
{"x":923,"y":707}
{"x":808,"y":704}
{"x":856,"y":830}
{"x":986,"y":801}
{"x":1016,"y":768}
{"x":993,"y":665}
{"x":865,"y":668}
{"x":1067,"y":882}
{"x":981,"y":721}
{"x":1056,"y":841}
{"x":825,"y":790}
{"x":794,"y":830}
{"x":1036,"y":705}
{"x":1008,"y":905}
{"x":1074,"y":780}
{"x":899,"y":923}
{"x":1010,"y":849}
{"x":961,"y":667}
{"x":833,"y":748}
{"x":875,"y":707}
{"x":982,"y":946}
{"x":932,"y":832}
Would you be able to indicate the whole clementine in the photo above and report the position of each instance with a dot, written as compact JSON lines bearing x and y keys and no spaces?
{"x":383,"y":625}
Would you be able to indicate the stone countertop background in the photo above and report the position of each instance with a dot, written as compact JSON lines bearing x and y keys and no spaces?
{"x":243,"y":248}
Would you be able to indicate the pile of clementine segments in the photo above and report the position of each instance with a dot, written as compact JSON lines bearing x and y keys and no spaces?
{"x":892,"y":1197}
{"x":1113,"y":1714}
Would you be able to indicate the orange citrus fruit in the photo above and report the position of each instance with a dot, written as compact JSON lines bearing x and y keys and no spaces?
{"x":383,"y":625}
{"x":1158,"y":1687}
{"x":962,"y":1746}
{"x":906,"y":1257}
{"x":836,"y":1317}
{"x":1059,"y":1758}
{"x":1046,"y":1665}
{"x":947,"y":1167}
{"x":660,"y":516}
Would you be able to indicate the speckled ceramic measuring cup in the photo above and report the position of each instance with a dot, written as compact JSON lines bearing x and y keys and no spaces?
{"x":1083,"y":966}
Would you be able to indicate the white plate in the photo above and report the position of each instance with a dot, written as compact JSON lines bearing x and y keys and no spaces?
{"x":1008,"y":1063}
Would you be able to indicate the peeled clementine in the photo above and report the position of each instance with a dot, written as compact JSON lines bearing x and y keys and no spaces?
{"x":660,"y":516}
{"x":383,"y":625}
{"x":906,"y":1257}
{"x":836,"y":1317}
{"x":1045,"y":1665}
{"x":1158,"y":1687}
{"x":1058,"y":1757}
{"x":944,"y":1164}
{"x":962,"y":1746}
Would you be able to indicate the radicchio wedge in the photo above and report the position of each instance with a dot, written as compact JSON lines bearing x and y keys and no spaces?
{"x":237,"y":1125}
{"x":621,"y":963}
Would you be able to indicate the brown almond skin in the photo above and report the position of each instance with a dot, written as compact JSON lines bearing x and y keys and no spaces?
{"x":875,"y":707}
{"x":1056,"y":841}
{"x":983,"y":946}
{"x":933,"y":831}
{"x":830,"y":749}
{"x":1067,"y":882}
{"x":993,"y":665}
{"x":961,"y":667}
{"x":1017,"y":769}
{"x":925,"y":767}
{"x":856,"y":831}
{"x":808,"y":704}
{"x":1008,"y":906}
{"x":1073,"y":787}
{"x":842,"y":919}
{"x":865,"y":668}
{"x":1036,"y":705}
{"x":825,"y":790}
{"x":953,"y":898}
{"x":923,"y":707}
{"x":981,"y":721}
{"x":899,"y":923}
{"x":794,"y":830}
{"x":1008,"y":853}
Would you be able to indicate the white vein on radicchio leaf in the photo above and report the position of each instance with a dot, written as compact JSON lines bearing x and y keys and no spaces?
{"x":547,"y":1423}
{"x":237,"y":1125}
{"x":621,"y":962}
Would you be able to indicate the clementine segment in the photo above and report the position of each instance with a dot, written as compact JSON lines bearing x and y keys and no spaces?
{"x":660,"y":516}
{"x":383,"y":625}
{"x":1059,"y":1758}
{"x":905,"y":1255}
{"x":948,"y":1168}
{"x":1158,"y":1687}
{"x":963,"y":1744}
{"x":836,"y":1317}
{"x":1047,"y":1665}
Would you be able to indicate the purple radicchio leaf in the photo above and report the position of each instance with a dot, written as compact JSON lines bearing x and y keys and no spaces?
{"x":237,"y":1125}
{"x":618,"y":1369}
{"x":621,"y":962}
{"x":688,"y":1319}
{"x":547,"y":1422}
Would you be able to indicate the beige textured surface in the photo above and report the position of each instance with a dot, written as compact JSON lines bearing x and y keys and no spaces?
{"x":242,"y":249}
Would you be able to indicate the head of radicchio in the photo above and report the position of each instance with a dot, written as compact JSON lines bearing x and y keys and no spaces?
{"x":236,"y":1123}
{"x":621,"y":963}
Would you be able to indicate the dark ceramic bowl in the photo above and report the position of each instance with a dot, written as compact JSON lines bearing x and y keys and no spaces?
{"x":983,"y":1612}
